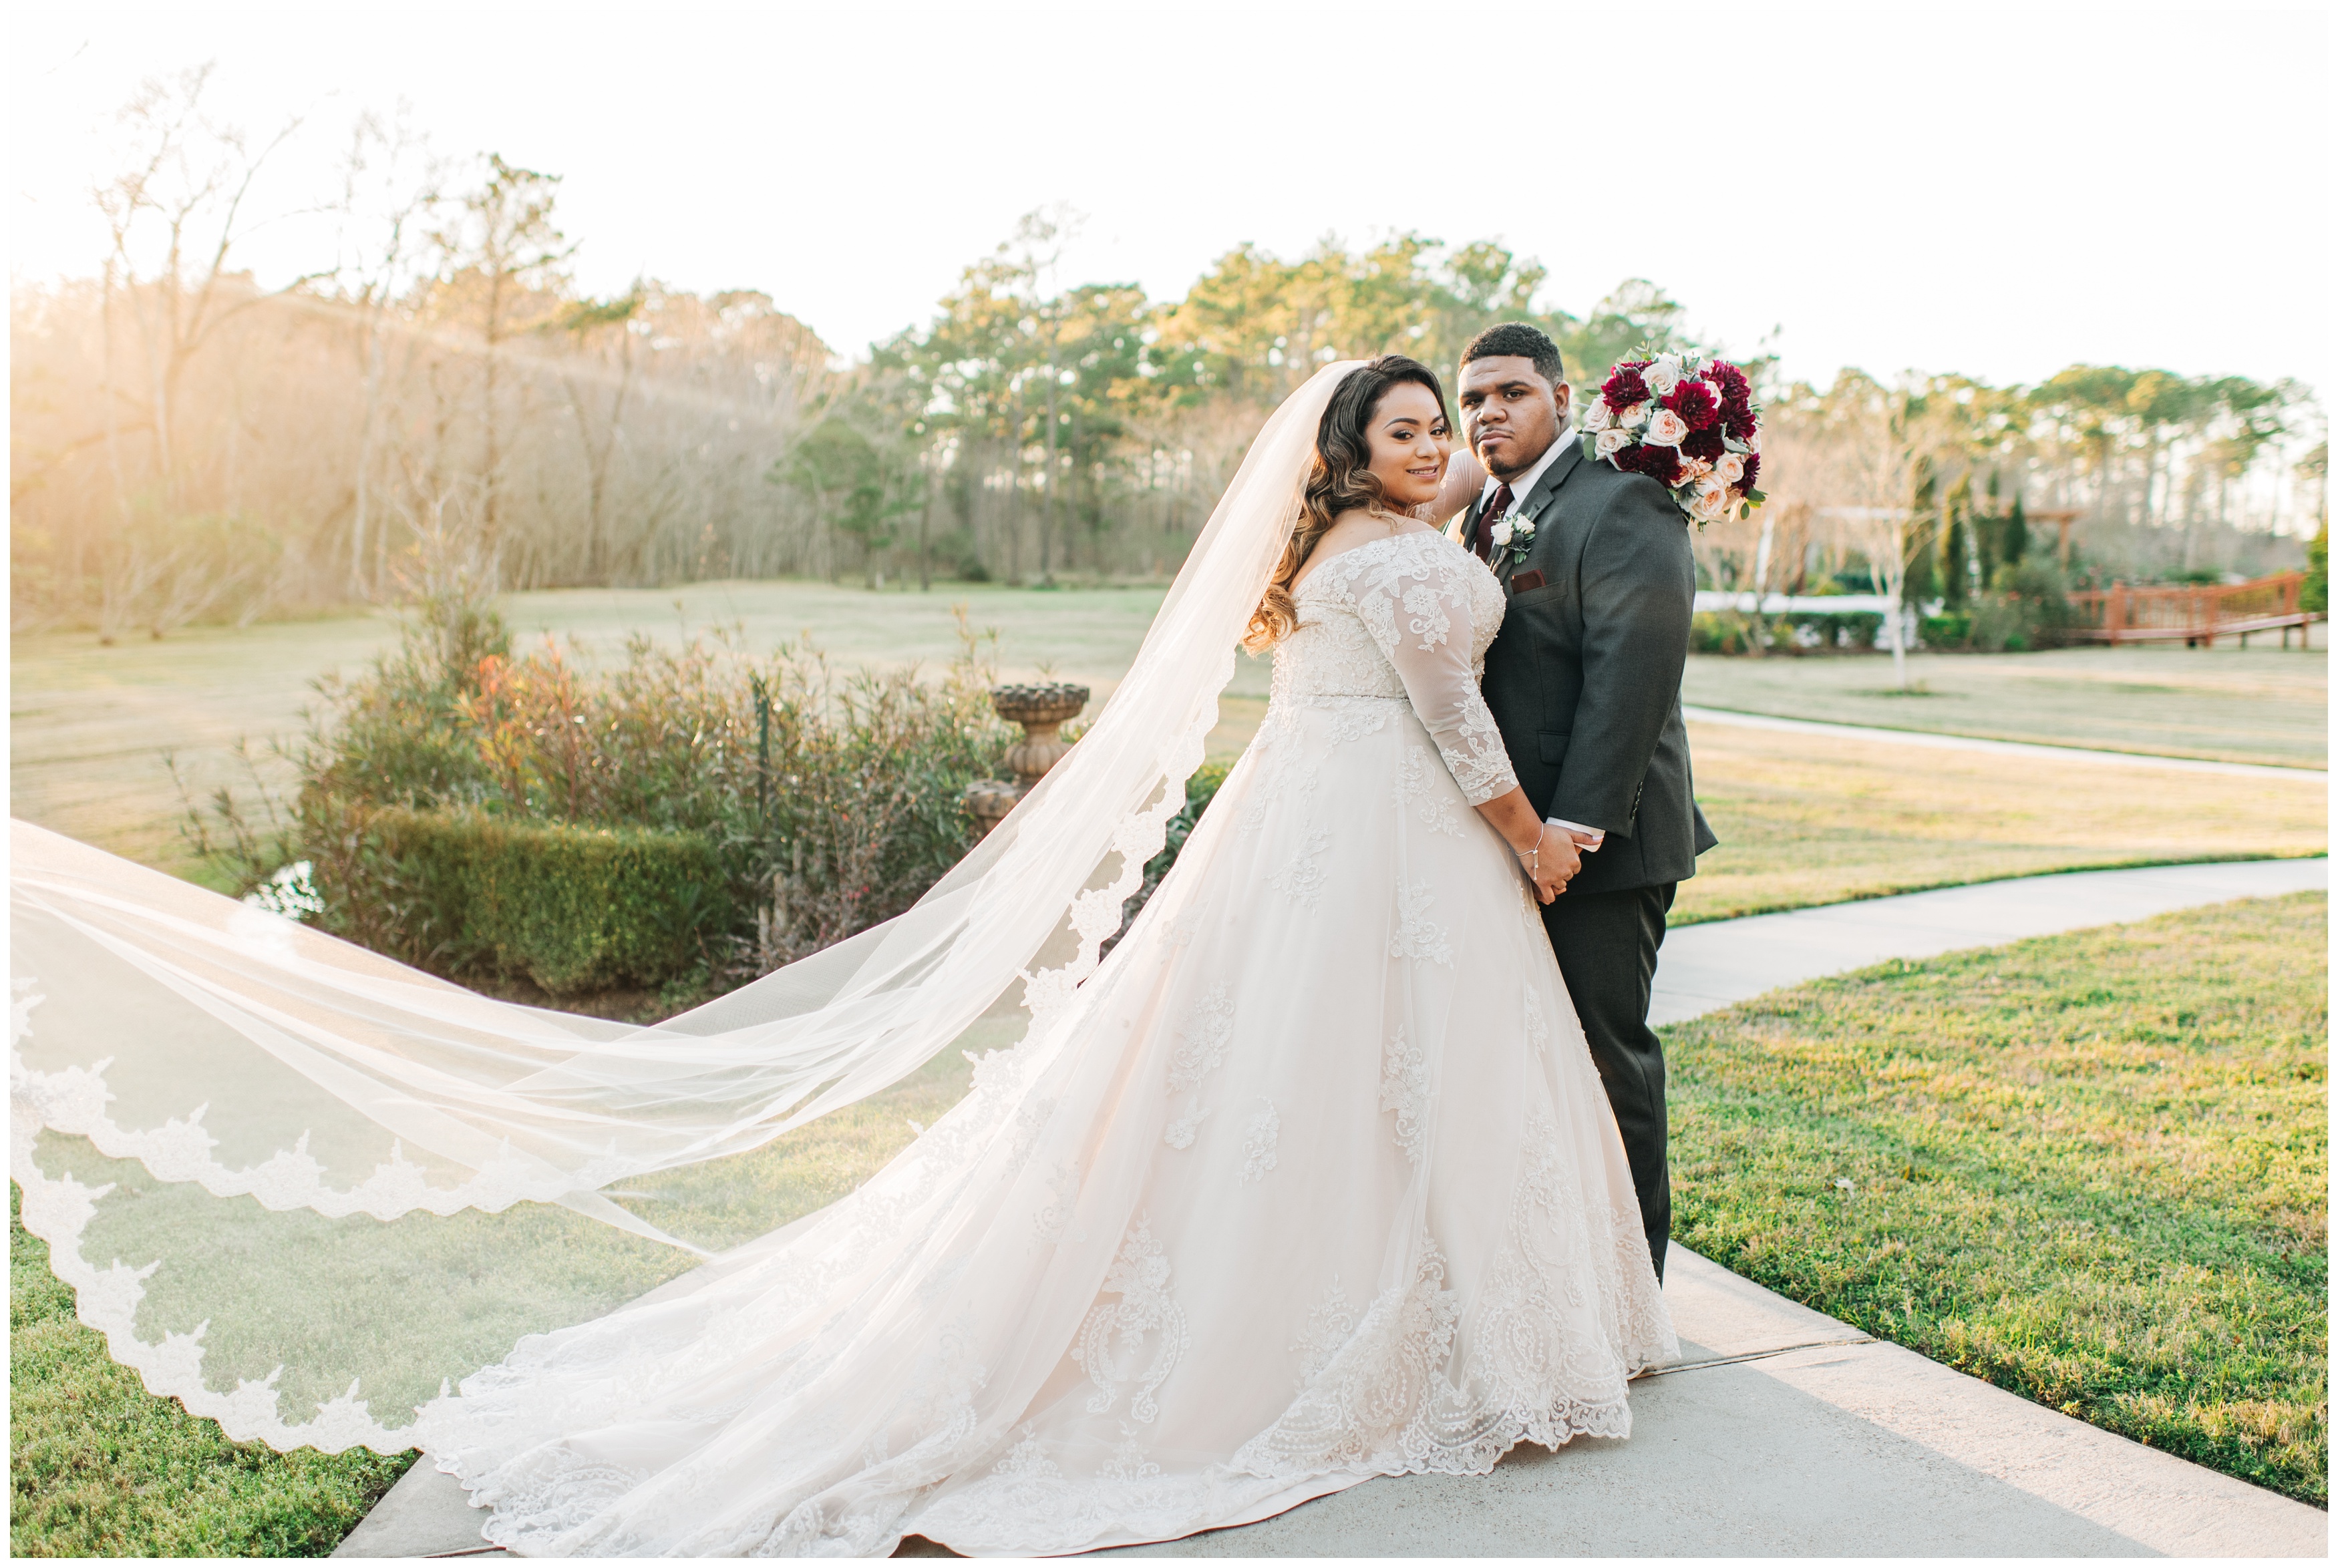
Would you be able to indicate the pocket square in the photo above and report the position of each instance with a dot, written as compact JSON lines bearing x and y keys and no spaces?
{"x":1524,"y":581}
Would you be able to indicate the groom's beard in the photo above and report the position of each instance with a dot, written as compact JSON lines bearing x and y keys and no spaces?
{"x":1506,"y":474}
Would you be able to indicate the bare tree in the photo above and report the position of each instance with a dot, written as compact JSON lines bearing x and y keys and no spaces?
{"x":173,"y":219}
{"x":506,"y":251}
{"x":389,"y":194}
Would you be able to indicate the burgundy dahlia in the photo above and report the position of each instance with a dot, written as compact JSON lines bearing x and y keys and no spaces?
{"x":1729,"y":381}
{"x":1625,"y":388}
{"x":1694,"y":401}
{"x":1660,"y":464}
{"x":1753,"y":471}
{"x":1706,"y":443}
{"x":1737,"y":418}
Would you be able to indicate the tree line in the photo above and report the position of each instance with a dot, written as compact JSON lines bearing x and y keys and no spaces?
{"x":435,"y":394}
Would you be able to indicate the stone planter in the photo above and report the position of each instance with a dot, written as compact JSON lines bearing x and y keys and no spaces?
{"x":1042,"y":710}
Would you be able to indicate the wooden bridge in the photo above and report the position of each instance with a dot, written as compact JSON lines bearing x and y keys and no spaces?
{"x":2198,"y":615}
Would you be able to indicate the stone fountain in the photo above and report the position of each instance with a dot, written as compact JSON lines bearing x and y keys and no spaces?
{"x":1041,"y":708}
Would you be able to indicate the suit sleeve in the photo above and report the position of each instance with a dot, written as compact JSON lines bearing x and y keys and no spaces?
{"x":1639,"y":589}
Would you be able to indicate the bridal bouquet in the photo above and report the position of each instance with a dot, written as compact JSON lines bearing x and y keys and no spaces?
{"x":1686,"y":421}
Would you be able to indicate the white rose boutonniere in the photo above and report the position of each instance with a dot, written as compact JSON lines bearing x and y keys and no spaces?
{"x":1516,"y":536}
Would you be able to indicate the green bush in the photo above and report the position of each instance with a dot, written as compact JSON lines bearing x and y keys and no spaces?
{"x":2028,"y":606}
{"x":1853,"y":630}
{"x":2315,"y":593}
{"x":1945,"y":631}
{"x":1200,"y":790}
{"x":1709,"y":633}
{"x":472,"y":810}
{"x":574,"y":908}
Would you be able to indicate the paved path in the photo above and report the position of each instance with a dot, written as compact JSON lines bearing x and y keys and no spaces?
{"x":1937,"y":742}
{"x":1715,"y":964}
{"x":1782,"y":1432}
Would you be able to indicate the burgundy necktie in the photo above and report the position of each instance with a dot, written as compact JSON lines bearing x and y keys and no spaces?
{"x":1494,"y":509}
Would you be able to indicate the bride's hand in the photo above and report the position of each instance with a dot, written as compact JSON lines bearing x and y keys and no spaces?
{"x":1550,"y":863}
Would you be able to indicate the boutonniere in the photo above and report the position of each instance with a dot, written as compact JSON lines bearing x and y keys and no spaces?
{"x":1517,"y":537}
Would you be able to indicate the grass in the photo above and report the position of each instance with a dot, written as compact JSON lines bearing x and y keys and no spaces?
{"x":2258,"y":704}
{"x":100,"y":1467}
{"x":1808,"y":819}
{"x":2090,"y":1169}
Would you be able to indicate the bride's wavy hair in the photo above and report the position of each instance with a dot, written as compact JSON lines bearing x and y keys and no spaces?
{"x":1339,"y":480}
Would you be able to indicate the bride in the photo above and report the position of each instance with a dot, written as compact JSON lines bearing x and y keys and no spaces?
{"x":1311,"y":1180}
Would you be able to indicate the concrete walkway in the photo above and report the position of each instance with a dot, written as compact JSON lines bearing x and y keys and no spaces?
{"x":1703,"y":967}
{"x":1939,"y":743}
{"x":1782,"y":1432}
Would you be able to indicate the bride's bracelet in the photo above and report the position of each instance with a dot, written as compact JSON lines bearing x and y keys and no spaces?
{"x":1533,"y":858}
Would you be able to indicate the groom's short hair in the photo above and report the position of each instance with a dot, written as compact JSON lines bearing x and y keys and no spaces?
{"x":1523,"y":341}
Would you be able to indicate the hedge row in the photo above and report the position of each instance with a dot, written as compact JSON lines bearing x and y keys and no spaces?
{"x":574,"y":909}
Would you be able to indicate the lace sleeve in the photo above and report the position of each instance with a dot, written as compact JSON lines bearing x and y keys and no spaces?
{"x":1416,"y":604}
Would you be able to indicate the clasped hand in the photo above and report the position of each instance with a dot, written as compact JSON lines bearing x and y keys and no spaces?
{"x":1550,"y":863}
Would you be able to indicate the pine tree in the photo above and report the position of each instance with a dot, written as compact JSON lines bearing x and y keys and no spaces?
{"x":1956,"y":545}
{"x":2017,"y":534}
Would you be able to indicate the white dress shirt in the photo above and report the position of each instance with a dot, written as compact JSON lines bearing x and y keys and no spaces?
{"x":1588,"y":840}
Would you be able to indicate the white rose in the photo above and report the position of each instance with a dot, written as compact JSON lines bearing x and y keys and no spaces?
{"x":1501,"y":535}
{"x":1666,"y":428}
{"x":1729,"y":469}
{"x":1523,"y":530}
{"x":1598,"y":416}
{"x":1695,"y":467}
{"x":1635,"y":416}
{"x":1711,"y":500}
{"x":1610,"y":442}
{"x":1662,"y":374}
{"x":1753,"y":441}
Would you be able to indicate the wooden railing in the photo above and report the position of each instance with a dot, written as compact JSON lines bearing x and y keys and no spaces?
{"x":2198,"y":616}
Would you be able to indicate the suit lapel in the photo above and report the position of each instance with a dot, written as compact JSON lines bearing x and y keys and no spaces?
{"x":1538,"y":499}
{"x":1536,"y":503}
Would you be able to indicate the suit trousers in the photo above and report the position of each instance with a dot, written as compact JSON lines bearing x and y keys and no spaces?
{"x":1607,"y":945}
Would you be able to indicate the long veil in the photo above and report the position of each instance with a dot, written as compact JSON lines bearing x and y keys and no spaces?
{"x":302,"y":1188}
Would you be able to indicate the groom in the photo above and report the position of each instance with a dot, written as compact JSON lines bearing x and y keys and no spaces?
{"x":1584,"y":682}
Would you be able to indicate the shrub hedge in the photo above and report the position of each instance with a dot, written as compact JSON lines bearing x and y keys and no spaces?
{"x":573,"y":908}
{"x":685,"y":818}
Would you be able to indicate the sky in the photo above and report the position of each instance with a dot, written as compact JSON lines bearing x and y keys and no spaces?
{"x":1995,"y":193}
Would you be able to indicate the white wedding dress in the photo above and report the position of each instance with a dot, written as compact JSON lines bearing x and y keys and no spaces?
{"x":1315,"y":1182}
{"x":1310,"y":1180}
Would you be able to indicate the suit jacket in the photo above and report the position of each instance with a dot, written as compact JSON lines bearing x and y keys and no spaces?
{"x":1585,"y":677}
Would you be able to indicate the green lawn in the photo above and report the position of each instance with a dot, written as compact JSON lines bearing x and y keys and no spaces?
{"x":1808,"y":819}
{"x":2091,"y":1169}
{"x":100,"y":1467}
{"x":2258,"y":704}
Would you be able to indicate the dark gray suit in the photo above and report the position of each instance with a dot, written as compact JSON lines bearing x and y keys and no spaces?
{"x":1584,"y":682}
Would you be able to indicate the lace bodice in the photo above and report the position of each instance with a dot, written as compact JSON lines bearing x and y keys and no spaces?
{"x":1411,"y":617}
